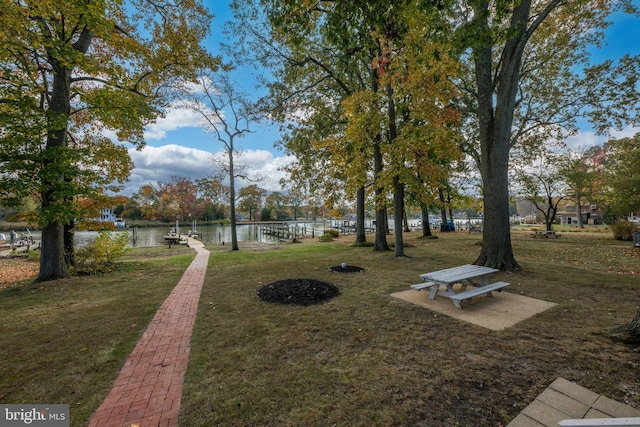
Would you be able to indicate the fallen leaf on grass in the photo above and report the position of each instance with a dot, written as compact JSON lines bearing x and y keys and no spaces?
{"x":15,"y":270}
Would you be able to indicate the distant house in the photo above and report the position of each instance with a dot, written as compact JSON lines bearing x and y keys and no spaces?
{"x":591,"y":214}
{"x":107,"y":215}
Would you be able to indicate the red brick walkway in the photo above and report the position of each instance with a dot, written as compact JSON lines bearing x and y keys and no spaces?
{"x":147,"y":391}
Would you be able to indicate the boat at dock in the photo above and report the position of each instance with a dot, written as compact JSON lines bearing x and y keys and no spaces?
{"x":174,"y":236}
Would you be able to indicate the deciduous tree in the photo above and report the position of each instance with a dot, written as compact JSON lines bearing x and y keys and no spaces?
{"x":251,"y":200}
{"x":215,"y":195}
{"x":336,"y":68}
{"x":543,"y":185}
{"x":580,"y":177}
{"x":623,"y":175}
{"x":71,"y":70}
{"x":146,"y":199}
{"x":318,"y":54}
{"x":509,"y":47}
{"x":227,"y":113}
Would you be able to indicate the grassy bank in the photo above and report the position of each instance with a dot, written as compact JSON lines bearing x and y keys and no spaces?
{"x":360,"y":359}
{"x":66,"y":341}
{"x":365,"y":359}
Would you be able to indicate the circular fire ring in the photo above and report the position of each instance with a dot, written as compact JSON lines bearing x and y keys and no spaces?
{"x":344,"y":268}
{"x":298,"y":291}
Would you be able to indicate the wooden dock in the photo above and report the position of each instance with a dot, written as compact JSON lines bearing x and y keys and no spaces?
{"x":298,"y":229}
{"x":6,"y":250}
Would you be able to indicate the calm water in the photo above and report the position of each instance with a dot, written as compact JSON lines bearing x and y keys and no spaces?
{"x":154,"y":236}
{"x":214,"y":234}
{"x":210,"y":234}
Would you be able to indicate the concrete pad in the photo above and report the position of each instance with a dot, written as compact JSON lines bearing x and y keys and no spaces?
{"x":615,"y":409}
{"x":544,"y":414}
{"x":564,"y":400}
{"x":575,"y":391}
{"x":567,"y":405}
{"x":524,"y":421}
{"x":501,"y":311}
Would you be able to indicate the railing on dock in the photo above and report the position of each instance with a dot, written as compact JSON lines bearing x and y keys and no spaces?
{"x":290,"y":230}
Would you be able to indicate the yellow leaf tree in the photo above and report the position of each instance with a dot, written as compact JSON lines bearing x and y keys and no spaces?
{"x":71,"y":70}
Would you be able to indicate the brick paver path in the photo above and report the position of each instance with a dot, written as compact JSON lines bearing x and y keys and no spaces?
{"x":147,"y":391}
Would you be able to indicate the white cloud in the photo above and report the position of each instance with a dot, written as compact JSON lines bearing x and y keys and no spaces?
{"x":590,"y":139}
{"x":262,"y":163}
{"x":177,"y":116}
{"x":154,"y":164}
{"x":627,"y":132}
{"x":583,"y":140}
{"x":258,"y":164}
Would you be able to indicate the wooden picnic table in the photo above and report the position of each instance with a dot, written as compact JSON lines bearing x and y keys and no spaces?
{"x":464,"y":275}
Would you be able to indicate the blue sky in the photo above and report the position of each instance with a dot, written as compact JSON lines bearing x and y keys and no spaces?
{"x":178,"y":147}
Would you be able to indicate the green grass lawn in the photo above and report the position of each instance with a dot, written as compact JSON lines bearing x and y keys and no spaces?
{"x":362,"y":358}
{"x":66,"y":341}
{"x":365,"y":359}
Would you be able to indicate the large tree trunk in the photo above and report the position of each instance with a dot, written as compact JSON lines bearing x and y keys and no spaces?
{"x":495,"y":124}
{"x":398,"y":211}
{"x":52,"y":262}
{"x":380,"y":243}
{"x":443,"y":211}
{"x":398,"y":187}
{"x":52,"y":254}
{"x":496,"y":250}
{"x":426,"y":227}
{"x":361,"y":236}
{"x":579,"y":212}
{"x":232,"y":202}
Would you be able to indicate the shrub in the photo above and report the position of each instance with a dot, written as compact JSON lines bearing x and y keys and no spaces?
{"x":333,"y":232}
{"x":102,"y":253}
{"x":33,"y":255}
{"x":326,"y":237}
{"x":623,"y":229}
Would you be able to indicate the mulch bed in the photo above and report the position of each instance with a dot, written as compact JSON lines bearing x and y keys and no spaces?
{"x":346,"y":269}
{"x":298,"y":291}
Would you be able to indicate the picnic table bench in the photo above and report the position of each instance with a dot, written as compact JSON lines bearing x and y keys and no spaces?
{"x":546,"y":234}
{"x":464,"y":275}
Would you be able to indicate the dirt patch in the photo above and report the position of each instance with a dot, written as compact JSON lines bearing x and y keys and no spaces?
{"x":343,"y":268}
{"x":298,"y":291}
